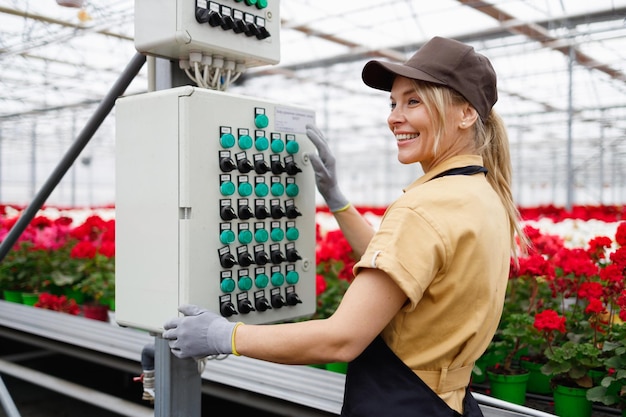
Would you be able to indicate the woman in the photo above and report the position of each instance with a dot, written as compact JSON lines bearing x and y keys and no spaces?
{"x":430,"y":284}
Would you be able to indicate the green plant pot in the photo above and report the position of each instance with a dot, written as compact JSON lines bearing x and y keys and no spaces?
{"x":30,"y":298}
{"x":571,"y":402}
{"x":538,"y":382}
{"x":12,"y":296}
{"x":339,"y":367}
{"x":511,"y":388}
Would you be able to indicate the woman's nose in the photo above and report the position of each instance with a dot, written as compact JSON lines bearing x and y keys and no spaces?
{"x":395,"y":116}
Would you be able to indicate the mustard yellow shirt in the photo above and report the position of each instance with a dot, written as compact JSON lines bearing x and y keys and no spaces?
{"x":446,"y":243}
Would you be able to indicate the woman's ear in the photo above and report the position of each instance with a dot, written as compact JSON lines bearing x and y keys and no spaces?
{"x":468,"y":117}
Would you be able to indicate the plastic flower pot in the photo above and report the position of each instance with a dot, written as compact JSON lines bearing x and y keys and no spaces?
{"x":511,"y":388}
{"x":571,"y":402}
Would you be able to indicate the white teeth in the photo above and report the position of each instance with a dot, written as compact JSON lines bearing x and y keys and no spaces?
{"x":406,"y":136}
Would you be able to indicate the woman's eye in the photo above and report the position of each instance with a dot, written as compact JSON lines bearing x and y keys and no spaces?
{"x":413,"y":101}
{"x":392,"y":106}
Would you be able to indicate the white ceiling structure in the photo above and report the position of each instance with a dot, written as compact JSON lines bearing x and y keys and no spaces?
{"x":562,"y":89}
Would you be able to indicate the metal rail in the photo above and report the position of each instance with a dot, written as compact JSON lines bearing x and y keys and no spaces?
{"x":282,"y":389}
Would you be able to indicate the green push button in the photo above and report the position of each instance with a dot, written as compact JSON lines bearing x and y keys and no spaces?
{"x":227,"y":237}
{"x":292,"y":147}
{"x":245,"y":189}
{"x":261,"y":235}
{"x":228,"y":285}
{"x":277,"y":145}
{"x":292,"y":233}
{"x":292,"y":277}
{"x":261,"y":189}
{"x":261,"y":4}
{"x":261,"y":281}
{"x":245,"y":236}
{"x":260,"y":120}
{"x":245,"y":142}
{"x":278,"y":279}
{"x":250,"y":2}
{"x":245,"y":283}
{"x":277,"y":189}
{"x":227,"y":188}
{"x":277,"y":235}
{"x":227,"y":140}
{"x":262,"y":143}
{"x":292,"y":190}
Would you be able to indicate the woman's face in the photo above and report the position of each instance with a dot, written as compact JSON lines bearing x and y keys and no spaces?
{"x":410,"y":123}
{"x":414,"y":128}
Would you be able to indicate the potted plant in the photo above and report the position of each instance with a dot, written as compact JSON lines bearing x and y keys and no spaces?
{"x":96,"y":269}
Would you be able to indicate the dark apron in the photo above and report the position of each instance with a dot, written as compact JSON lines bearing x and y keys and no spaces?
{"x":379,"y":384}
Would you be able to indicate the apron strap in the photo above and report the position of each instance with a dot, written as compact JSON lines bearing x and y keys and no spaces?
{"x":447,"y":379}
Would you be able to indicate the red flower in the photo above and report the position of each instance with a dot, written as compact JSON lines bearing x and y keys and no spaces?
{"x":83,"y":250}
{"x":595,"y":306}
{"x":620,"y":234}
{"x":320,"y":284}
{"x":590,"y":290}
{"x":549,"y":320}
{"x":598,"y":246}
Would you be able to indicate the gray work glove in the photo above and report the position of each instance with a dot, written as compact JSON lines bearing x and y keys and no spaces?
{"x":324,"y":166}
{"x":199,"y":333}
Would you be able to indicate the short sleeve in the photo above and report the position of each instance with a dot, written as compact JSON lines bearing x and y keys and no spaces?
{"x":409,"y":247}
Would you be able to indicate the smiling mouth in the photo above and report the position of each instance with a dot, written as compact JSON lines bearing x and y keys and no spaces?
{"x":406,"y":136}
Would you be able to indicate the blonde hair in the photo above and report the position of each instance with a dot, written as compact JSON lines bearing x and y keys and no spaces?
{"x":492,"y":143}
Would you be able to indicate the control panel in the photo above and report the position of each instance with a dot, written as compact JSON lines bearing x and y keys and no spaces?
{"x":235,"y":32}
{"x":215,"y":206}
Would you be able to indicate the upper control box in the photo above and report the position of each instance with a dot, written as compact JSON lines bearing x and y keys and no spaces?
{"x":244,"y":31}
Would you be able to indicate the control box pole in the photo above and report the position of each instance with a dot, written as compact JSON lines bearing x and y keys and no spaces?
{"x":177,"y":382}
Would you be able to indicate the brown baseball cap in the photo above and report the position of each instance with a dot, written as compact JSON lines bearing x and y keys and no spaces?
{"x":445,"y":62}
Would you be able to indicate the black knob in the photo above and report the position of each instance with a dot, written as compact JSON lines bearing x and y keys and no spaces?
{"x":262,"y":304}
{"x":251,"y":29}
{"x":293,"y":299}
{"x":277,"y":167}
{"x":292,"y":212}
{"x":227,"y":213}
{"x":228,"y":309}
{"x":277,"y":301}
{"x":263,"y":33}
{"x":227,"y":23}
{"x":261,"y":212}
{"x":227,"y":260}
{"x":245,"y":306}
{"x":261,"y":166}
{"x":261,"y":257}
{"x":277,"y":212}
{"x":293,"y":255}
{"x":245,"y":259}
{"x":277,"y":257}
{"x":245,"y":212}
{"x":244,"y":165}
{"x":292,"y":168}
{"x":202,"y":15}
{"x":215,"y":19}
{"x":239,"y":26}
{"x":227,"y":164}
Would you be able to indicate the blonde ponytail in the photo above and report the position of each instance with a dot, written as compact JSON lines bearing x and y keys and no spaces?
{"x":493,"y":145}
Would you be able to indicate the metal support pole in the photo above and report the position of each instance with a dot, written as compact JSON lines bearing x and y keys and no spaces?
{"x":105,"y":107}
{"x":178,"y":385}
{"x":570,"y":116}
{"x":7,"y":402}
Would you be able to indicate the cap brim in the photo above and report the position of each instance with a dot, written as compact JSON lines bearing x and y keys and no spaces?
{"x":380,"y":75}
